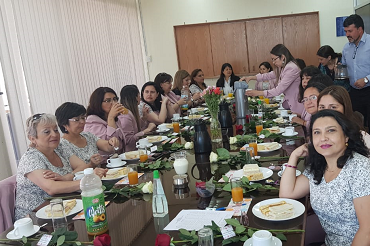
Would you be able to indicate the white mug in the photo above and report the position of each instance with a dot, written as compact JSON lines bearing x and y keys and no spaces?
{"x":291,"y":116}
{"x":283,"y":113}
{"x":23,"y":227}
{"x":262,"y":238}
{"x":194,"y":110}
{"x":114,"y":162}
{"x":289,"y":131}
{"x":143,"y":142}
{"x":162,"y":127}
{"x":176,"y":116}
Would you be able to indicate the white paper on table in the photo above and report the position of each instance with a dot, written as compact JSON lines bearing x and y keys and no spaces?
{"x":197,"y":219}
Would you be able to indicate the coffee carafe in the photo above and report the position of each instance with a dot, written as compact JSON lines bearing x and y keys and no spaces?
{"x":202,"y":140}
{"x":224,"y":116}
{"x":341,"y":72}
{"x":241,"y":102}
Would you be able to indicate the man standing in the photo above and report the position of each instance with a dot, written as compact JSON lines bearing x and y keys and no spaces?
{"x":356,"y":55}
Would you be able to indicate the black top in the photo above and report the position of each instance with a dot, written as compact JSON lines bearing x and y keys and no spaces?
{"x":221,"y":81}
{"x":177,"y":91}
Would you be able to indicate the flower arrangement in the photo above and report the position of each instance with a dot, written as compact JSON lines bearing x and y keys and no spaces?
{"x":212,"y":96}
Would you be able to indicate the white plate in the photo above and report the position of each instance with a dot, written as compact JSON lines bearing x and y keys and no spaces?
{"x":42,"y":215}
{"x":117,"y":178}
{"x":281,"y":130}
{"x":11,"y":235}
{"x":109,"y":165}
{"x":168,"y":125}
{"x":204,"y":104}
{"x":297,"y":173}
{"x":162,"y":131}
{"x":285,"y":121}
{"x":295,"y":133}
{"x":123,"y":156}
{"x":266,"y":151}
{"x":297,"y":206}
{"x":267,"y":173}
{"x":187,"y":117}
{"x":201,"y":109}
{"x":275,"y":242}
{"x":159,"y":141}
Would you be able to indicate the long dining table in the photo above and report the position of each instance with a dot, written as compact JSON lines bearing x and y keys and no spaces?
{"x":131,"y":221}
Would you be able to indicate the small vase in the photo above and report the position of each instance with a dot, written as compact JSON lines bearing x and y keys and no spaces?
{"x":216,"y":134}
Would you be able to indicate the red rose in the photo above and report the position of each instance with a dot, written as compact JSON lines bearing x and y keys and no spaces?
{"x":162,"y":240}
{"x":239,"y":129}
{"x":102,"y":240}
{"x":217,"y":91}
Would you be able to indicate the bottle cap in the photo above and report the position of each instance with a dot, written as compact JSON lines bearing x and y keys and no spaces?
{"x":88,"y":171}
{"x":155,"y":174}
{"x":259,"y":101}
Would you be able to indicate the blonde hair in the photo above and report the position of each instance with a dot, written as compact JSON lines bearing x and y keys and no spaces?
{"x":179,"y":76}
{"x":36,"y":119}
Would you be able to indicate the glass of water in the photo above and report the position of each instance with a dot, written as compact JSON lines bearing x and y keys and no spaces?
{"x":205,"y":237}
{"x":57,"y":212}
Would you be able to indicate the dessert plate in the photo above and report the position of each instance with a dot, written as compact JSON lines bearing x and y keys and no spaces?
{"x":298,"y":208}
{"x":42,"y":215}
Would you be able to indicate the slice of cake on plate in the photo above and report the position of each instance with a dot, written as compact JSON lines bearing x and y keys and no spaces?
{"x":252,"y":171}
{"x":68,"y":206}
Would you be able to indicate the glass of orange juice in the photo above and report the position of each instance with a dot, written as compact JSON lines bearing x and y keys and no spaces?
{"x":236,"y":190}
{"x":176,"y":125}
{"x":261,"y":97}
{"x":143,"y":153}
{"x":230,"y":95}
{"x":133,"y":176}
{"x":267,"y":100}
{"x":259,"y":127}
{"x":253,"y":144}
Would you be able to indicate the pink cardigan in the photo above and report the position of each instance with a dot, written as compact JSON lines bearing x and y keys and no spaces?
{"x":272,"y":84}
{"x":288,"y":84}
{"x":127,"y":125}
{"x":173,"y":98}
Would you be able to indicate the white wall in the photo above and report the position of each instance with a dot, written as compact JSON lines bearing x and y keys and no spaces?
{"x":159,"y":17}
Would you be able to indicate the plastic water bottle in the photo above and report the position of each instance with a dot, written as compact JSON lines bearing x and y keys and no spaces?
{"x":93,"y":203}
{"x":160,"y":206}
{"x":260,"y":110}
{"x":185,"y":95}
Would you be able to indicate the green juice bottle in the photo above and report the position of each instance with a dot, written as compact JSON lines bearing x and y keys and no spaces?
{"x":93,"y":202}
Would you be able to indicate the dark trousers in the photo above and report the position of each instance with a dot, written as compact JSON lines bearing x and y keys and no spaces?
{"x":361,"y":102}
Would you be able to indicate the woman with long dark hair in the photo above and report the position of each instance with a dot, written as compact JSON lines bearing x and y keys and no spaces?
{"x":129,"y":123}
{"x":227,"y":78}
{"x":336,"y":178}
{"x":287,"y":75}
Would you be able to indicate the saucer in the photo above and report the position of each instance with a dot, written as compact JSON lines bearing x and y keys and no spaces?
{"x":297,"y":173}
{"x":285,"y":135}
{"x":275,"y":242}
{"x":11,"y":236}
{"x":161,"y":131}
{"x":109,"y":165}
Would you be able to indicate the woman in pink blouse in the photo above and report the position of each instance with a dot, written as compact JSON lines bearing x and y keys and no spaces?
{"x":287,"y":75}
{"x":129,"y":124}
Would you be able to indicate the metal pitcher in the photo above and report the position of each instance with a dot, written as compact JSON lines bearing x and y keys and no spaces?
{"x":241,"y":102}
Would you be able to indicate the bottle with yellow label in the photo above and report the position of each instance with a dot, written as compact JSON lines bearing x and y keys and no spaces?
{"x":93,"y":203}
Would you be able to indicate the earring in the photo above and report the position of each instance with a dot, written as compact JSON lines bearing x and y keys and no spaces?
{"x":283,"y":62}
{"x":347,"y":144}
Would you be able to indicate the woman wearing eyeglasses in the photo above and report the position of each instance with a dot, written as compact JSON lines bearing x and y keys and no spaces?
{"x":287,"y":76}
{"x":45,"y":169}
{"x":71,"y":119}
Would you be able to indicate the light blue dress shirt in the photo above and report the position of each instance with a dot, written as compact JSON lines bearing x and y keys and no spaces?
{"x":357,"y":59}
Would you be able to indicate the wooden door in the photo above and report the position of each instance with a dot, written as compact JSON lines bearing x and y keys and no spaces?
{"x":194,"y":48}
{"x":262,"y":36}
{"x":229,"y":45}
{"x":302,"y":36}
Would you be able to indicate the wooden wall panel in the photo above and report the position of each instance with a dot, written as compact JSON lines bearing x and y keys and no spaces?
{"x":229,"y":44}
{"x":194,"y":48}
{"x":302,"y":36}
{"x":262,"y":36}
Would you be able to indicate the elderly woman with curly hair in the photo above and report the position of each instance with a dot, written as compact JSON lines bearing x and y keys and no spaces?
{"x":336,"y":178}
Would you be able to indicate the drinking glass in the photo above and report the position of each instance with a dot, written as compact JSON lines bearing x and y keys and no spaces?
{"x":253,"y":143}
{"x":176,"y":125}
{"x":259,"y":126}
{"x":133,"y":176}
{"x":57,"y":214}
{"x":143,"y":154}
{"x":267,"y":100}
{"x":236,"y":190}
{"x":251,"y":151}
{"x":205,"y":237}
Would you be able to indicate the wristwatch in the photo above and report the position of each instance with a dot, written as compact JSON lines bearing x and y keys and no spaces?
{"x":366,"y":80}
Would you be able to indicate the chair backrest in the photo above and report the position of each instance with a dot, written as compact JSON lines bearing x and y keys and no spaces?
{"x":7,"y":202}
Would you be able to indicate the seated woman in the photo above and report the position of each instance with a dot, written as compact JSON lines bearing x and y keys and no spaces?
{"x":45,"y":169}
{"x":227,"y":79}
{"x":182,"y":80}
{"x":336,"y":178}
{"x":197,"y":83}
{"x":71,"y":119}
{"x":102,"y":115}
{"x":129,"y":123}
{"x":306,"y":74}
{"x":322,"y":81}
{"x":337,"y":98}
{"x":164,"y":82}
{"x":265,"y":67}
{"x":153,"y":108}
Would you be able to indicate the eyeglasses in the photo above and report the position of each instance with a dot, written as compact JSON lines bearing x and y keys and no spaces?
{"x":310,"y":98}
{"x":109,"y":100}
{"x":274,"y":59}
{"x":354,"y":53}
{"x":78,"y":119}
{"x":36,"y":116}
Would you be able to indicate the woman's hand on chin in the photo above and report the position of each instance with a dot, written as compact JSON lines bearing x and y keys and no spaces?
{"x":48,"y":174}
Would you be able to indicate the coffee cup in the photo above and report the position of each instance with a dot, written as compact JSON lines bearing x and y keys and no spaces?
{"x":142,"y":142}
{"x":79,"y":175}
{"x":289,"y":131}
{"x":194,"y":110}
{"x":114,"y":161}
{"x":162,"y":128}
{"x":283,"y":113}
{"x":262,"y":238}
{"x":23,"y":227}
{"x":176,"y":116}
{"x":291,"y":116}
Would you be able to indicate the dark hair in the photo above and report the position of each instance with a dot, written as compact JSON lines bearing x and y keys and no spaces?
{"x":162,"y":78}
{"x":67,"y":111}
{"x":322,"y":78}
{"x":326,"y":51}
{"x":128,"y":96}
{"x":194,"y":74}
{"x":300,"y":62}
{"x":157,"y":102}
{"x":280,"y":50}
{"x":307,"y":71}
{"x":221,"y":80}
{"x":317,"y":85}
{"x":355,"y":20}
{"x":96,"y":99}
{"x":267,"y":65}
{"x":316,"y":162}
